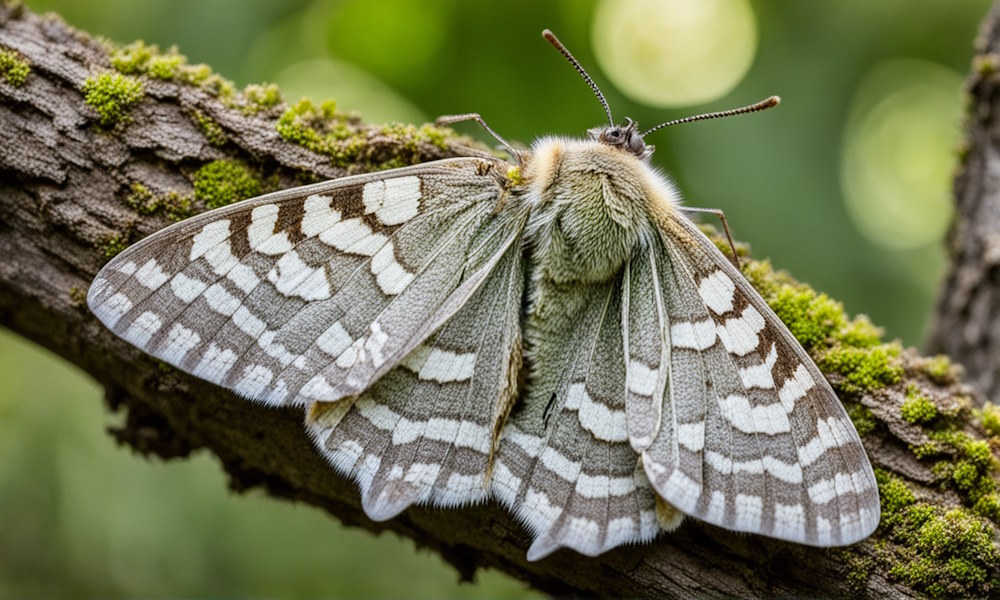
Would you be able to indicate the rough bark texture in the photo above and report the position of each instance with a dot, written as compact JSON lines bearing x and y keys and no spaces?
{"x":967,"y":326}
{"x":64,"y":181}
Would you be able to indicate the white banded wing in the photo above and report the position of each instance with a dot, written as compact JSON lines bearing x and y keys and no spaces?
{"x":752,"y":438}
{"x":425,"y":431}
{"x":565,"y":466}
{"x":305,"y":294}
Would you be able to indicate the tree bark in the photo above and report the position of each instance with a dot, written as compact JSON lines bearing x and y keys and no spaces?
{"x":967,"y":324}
{"x":66,"y":186}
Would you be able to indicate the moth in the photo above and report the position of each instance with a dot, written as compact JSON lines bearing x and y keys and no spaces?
{"x":553,"y":333}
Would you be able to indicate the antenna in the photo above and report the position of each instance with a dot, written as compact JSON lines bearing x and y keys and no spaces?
{"x":552,"y":39}
{"x":762,"y":105}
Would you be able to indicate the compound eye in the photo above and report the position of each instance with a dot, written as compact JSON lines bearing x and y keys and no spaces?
{"x":636,"y":145}
{"x":613,"y":135}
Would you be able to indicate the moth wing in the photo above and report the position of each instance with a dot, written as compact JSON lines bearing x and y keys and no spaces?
{"x":425,"y":431}
{"x":565,"y":466}
{"x":307,"y":294}
{"x":752,"y":436}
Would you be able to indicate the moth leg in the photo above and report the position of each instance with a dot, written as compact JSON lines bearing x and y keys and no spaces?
{"x":450,"y":119}
{"x":725,"y":226}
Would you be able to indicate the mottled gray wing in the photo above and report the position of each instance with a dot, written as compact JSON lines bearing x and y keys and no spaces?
{"x":752,"y":437}
{"x":425,"y":432}
{"x":310,"y":293}
{"x":564,"y":465}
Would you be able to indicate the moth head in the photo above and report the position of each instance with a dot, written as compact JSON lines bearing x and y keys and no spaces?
{"x":627,"y":136}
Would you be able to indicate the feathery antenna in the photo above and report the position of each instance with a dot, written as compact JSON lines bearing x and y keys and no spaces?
{"x":552,"y":39}
{"x":762,"y":105}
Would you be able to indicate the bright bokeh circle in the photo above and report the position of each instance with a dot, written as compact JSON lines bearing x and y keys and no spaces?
{"x":672,"y":53}
{"x":899,"y":153}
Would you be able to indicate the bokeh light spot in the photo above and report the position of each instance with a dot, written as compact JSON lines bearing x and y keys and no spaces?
{"x":899,"y":153}
{"x":669,"y":53}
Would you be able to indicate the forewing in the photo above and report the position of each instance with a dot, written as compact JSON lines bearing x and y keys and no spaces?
{"x":425,"y":431}
{"x":752,"y":438}
{"x":565,"y":466}
{"x":304,"y":294}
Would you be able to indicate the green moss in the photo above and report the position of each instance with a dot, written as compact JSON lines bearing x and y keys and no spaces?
{"x":77,"y":297}
{"x":927,"y":450}
{"x":199,"y":75}
{"x":938,"y":368}
{"x":858,"y":572}
{"x":942,"y":553}
{"x":140,"y":199}
{"x":894,"y":496}
{"x":412,"y":136}
{"x":219,"y":87}
{"x":302,"y":123}
{"x":133,"y":58}
{"x":223,"y":182}
{"x":111,"y":95}
{"x":988,"y":506}
{"x":178,"y":206}
{"x":970,"y":470}
{"x":113,"y":246}
{"x":138,"y":58}
{"x":812,"y":318}
{"x":320,"y":129}
{"x":165,"y":67}
{"x":260,"y":98}
{"x":952,"y":555}
{"x":917,"y":409}
{"x":863,"y":368}
{"x":434,"y":135}
{"x":979,"y":452}
{"x":14,"y":69}
{"x":212,"y":130}
{"x":860,"y":333}
{"x":989,"y":418}
{"x":965,"y":474}
{"x":863,"y":419}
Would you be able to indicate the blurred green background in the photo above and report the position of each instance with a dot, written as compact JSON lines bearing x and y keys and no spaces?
{"x":846,"y":185}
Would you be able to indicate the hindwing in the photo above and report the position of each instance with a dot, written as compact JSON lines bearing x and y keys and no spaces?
{"x":565,"y":466}
{"x":424,"y":432}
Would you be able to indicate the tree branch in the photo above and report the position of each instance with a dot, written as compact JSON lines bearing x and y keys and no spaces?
{"x":967,"y":324}
{"x":74,"y":190}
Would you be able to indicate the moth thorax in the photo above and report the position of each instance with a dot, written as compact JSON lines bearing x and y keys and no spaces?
{"x":591,"y":209}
